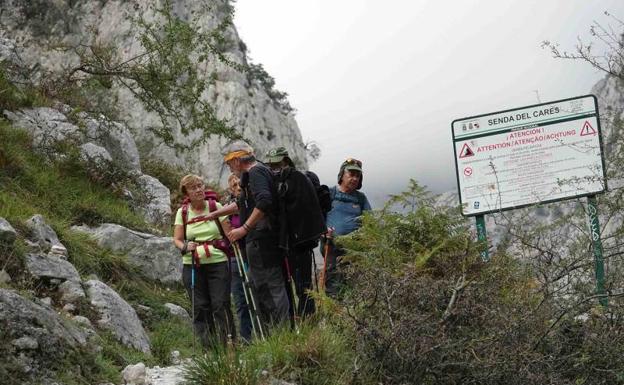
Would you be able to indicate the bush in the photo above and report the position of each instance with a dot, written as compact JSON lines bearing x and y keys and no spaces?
{"x":427,"y":310}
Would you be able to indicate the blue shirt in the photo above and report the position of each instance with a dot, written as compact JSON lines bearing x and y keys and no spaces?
{"x":346,"y":210}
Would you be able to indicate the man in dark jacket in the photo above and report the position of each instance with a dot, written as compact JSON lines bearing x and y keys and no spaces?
{"x":301,"y":224}
{"x":258,"y":206}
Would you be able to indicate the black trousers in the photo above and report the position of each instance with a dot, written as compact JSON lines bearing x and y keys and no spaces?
{"x":267,"y":280}
{"x":300,"y":263}
{"x":212,"y":315}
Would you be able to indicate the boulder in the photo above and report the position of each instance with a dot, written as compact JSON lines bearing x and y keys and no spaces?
{"x":46,"y":125}
{"x":95,"y":155}
{"x":116,"y":139}
{"x":178,"y":311}
{"x":157,"y":257}
{"x":134,"y":374}
{"x":154,"y":201}
{"x":42,"y":233}
{"x":47,"y":266}
{"x":7,"y":232}
{"x":117,"y":316}
{"x":36,"y":336}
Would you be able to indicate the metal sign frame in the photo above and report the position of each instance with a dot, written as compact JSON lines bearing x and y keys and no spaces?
{"x":526,"y":126}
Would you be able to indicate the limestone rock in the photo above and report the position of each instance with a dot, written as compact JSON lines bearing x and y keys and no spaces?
{"x":71,"y":291}
{"x":7,"y":232}
{"x":46,"y":125}
{"x":58,"y":251}
{"x":51,"y":267}
{"x":178,"y":311}
{"x":171,"y":375}
{"x":46,"y":301}
{"x":134,"y":374}
{"x":42,"y":233}
{"x":157,"y":257}
{"x":26,"y":343}
{"x":242,"y":101}
{"x":116,"y":139}
{"x":24,"y":321}
{"x":4,"y":277}
{"x":155,"y":200}
{"x":84,"y":321}
{"x":94,"y":154}
{"x":117,"y":316}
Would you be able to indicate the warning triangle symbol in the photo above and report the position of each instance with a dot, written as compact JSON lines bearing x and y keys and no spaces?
{"x":466,"y":151}
{"x":587,"y":129}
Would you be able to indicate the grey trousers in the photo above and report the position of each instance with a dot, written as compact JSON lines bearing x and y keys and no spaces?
{"x":212,"y":317}
{"x":267,"y":280}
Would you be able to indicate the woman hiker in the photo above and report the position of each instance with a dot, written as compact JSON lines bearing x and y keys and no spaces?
{"x":205,"y":274}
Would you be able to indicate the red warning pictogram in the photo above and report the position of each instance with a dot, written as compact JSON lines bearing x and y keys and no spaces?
{"x":466,"y":151}
{"x":587,"y":129}
{"x":468,"y":171}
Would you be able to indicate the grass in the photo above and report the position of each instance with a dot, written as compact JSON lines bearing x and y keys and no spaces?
{"x":319,"y":353}
{"x":62,"y":192}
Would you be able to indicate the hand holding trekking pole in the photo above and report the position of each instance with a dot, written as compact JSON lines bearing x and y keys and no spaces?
{"x":236,"y":234}
{"x":328,"y":236}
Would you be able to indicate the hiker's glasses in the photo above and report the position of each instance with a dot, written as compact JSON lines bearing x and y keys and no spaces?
{"x":353,"y":161}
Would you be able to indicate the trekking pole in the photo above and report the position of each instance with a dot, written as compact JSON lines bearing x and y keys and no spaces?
{"x":249,"y":297}
{"x":194,"y":261}
{"x":316,"y":282}
{"x":324,"y":272}
{"x":293,"y":293}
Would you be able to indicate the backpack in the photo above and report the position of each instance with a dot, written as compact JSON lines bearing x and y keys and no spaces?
{"x":322,"y":192}
{"x":301,"y":219}
{"x":212,"y":197}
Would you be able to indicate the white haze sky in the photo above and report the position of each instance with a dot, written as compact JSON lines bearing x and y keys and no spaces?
{"x":382,"y":81}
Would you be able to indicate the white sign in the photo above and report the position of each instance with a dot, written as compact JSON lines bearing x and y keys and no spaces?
{"x":519,"y":157}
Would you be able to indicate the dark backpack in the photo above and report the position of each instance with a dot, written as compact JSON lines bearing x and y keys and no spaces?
{"x":212,"y":197}
{"x":301,"y":219}
{"x":322,"y":192}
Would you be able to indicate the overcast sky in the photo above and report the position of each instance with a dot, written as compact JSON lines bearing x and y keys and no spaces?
{"x":382,"y":81}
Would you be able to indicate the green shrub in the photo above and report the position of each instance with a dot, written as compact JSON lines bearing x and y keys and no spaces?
{"x":426,"y":310}
{"x":317,"y":353}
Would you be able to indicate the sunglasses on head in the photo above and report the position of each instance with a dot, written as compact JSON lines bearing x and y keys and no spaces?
{"x":353,"y":161}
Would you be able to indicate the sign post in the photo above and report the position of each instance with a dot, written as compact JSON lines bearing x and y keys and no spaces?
{"x":531,"y":155}
{"x":482,"y":237}
{"x":594,"y":227}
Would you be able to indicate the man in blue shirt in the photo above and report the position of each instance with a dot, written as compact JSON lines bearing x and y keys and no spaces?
{"x":348,"y":205}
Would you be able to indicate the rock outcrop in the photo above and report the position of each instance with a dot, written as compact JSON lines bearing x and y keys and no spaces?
{"x":157,"y":257}
{"x":34,"y":337}
{"x":7,"y":232}
{"x":52,"y":267}
{"x":117,"y":315}
{"x":243,"y":102}
{"x":104,"y":145}
{"x":42,"y":233}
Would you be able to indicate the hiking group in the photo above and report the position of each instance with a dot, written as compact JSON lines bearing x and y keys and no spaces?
{"x":259,"y":246}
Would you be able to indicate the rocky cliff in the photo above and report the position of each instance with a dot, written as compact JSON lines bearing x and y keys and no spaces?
{"x":33,"y":32}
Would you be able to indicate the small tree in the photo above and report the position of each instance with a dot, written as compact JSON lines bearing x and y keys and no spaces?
{"x":166,"y":77}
